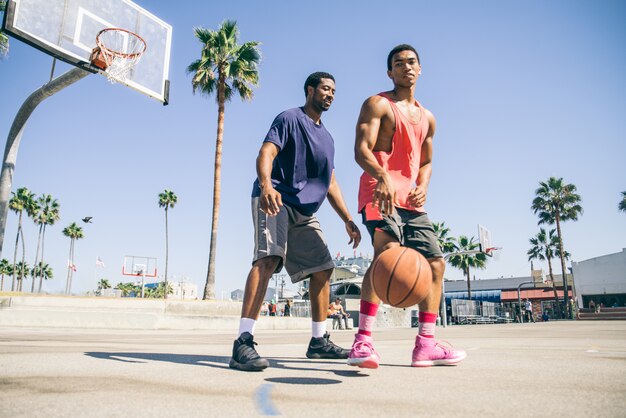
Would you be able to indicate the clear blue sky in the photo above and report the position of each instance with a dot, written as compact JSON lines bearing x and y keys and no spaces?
{"x":521,"y":91}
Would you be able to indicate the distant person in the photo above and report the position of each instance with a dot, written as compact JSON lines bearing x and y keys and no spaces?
{"x":545,"y":317}
{"x":394,"y":147}
{"x":592,"y":306}
{"x":572,"y":309}
{"x":335,"y":311}
{"x":528,"y":311}
{"x":295,"y":175}
{"x":272,"y":308}
{"x":287,"y":308}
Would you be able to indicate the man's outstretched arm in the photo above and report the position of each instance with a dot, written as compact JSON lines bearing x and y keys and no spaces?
{"x":339,"y":205}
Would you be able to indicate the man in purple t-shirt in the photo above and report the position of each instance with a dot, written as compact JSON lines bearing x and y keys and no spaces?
{"x":295,"y":173}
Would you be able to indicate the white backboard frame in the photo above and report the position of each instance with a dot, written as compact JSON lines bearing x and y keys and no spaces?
{"x":67,"y":29}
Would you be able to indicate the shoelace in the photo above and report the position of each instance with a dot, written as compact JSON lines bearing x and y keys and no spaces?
{"x":247,"y":354}
{"x":446,"y":349}
{"x":359,"y":344}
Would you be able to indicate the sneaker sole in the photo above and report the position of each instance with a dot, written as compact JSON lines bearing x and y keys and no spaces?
{"x":444,"y":362}
{"x":255,"y":367}
{"x":316,"y":356}
{"x":364,"y":363}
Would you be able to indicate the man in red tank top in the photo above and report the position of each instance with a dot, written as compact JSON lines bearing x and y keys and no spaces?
{"x":394,"y":146}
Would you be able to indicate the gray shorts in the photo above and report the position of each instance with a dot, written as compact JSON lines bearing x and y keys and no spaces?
{"x":411,"y":229}
{"x":296,"y":238}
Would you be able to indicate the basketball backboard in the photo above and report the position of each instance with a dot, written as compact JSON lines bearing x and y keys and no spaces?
{"x":486,"y":246}
{"x":139,"y":266}
{"x":67,"y":29}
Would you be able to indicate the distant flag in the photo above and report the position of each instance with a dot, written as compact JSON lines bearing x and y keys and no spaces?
{"x":99,"y":262}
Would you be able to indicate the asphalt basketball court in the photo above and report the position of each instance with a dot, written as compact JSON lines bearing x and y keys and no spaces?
{"x":564,"y":368}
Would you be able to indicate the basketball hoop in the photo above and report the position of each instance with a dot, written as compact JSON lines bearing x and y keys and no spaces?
{"x":117,"y":52}
{"x":490,"y":252}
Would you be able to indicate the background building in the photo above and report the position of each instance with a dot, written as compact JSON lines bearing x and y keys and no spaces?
{"x":601,"y":279}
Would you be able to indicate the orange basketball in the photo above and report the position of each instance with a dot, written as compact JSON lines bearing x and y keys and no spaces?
{"x":401,"y":277}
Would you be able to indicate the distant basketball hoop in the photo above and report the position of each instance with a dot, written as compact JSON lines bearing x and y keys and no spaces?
{"x":484,"y":240}
{"x":117,"y":52}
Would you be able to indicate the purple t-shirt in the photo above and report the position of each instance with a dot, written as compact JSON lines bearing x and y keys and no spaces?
{"x":304,"y":165}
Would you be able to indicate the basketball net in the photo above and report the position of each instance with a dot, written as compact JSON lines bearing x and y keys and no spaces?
{"x":493,"y":252}
{"x":121,"y":50}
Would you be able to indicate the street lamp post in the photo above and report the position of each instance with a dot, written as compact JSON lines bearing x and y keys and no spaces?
{"x":519,"y":300}
{"x":444,"y":309}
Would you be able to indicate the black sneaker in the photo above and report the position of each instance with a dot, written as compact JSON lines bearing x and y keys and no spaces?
{"x":324,"y":348}
{"x":245,"y":356}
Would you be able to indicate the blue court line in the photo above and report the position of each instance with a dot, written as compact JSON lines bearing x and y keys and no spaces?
{"x":263,"y":400}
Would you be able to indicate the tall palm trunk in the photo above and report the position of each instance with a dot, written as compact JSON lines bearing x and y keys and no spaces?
{"x":556,"y":294}
{"x":69,"y":290}
{"x":469,"y":286}
{"x":22,"y":276}
{"x":69,"y":267}
{"x":32,"y":287}
{"x":209,"y":289}
{"x":561,"y":253}
{"x":17,"y":242}
{"x":2,"y":283}
{"x":167,"y":256}
{"x":43,"y":242}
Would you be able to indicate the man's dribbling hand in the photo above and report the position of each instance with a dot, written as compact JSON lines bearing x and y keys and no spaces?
{"x":353,"y":233}
{"x":385,"y":195}
{"x":417,"y":197}
{"x":270,"y":201}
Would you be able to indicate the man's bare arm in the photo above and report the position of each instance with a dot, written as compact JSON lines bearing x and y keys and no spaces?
{"x":335,"y":198}
{"x":367,"y":130}
{"x":270,"y":200}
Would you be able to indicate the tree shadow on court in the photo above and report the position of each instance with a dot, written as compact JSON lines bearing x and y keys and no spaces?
{"x":221,"y":362}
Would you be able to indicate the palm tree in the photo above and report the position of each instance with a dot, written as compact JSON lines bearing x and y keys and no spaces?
{"x":22,"y":200}
{"x":544,"y":247}
{"x":167,"y":200}
{"x":554,"y":203}
{"x":4,"y":39}
{"x":103,"y":284}
{"x":48,"y":216}
{"x":22,"y":270}
{"x":127,"y":288}
{"x":446,"y":243}
{"x":159,"y":291}
{"x":73,"y":232}
{"x":224,"y":68}
{"x":43,"y":271}
{"x":465,"y":261}
{"x":5,"y":268}
{"x":622,"y":204}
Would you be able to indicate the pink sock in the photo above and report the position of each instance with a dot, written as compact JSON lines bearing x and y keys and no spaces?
{"x":367,"y":317}
{"x":427,"y":322}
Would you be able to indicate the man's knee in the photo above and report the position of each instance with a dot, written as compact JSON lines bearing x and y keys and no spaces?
{"x":321,"y":277}
{"x":267,"y":265}
{"x":438,"y":266}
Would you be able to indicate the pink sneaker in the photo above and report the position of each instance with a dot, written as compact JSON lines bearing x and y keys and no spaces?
{"x":428,"y":352}
{"x":363,"y":353}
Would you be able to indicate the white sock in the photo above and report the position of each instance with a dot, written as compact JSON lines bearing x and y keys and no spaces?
{"x":318,"y":329}
{"x":246,"y":325}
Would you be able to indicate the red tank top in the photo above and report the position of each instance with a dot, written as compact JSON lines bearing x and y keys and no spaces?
{"x":402,"y":162}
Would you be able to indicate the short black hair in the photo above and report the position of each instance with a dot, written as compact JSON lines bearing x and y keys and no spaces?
{"x":314,"y":80}
{"x":400,"y":48}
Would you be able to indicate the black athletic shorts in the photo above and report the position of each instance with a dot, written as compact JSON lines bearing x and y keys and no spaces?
{"x":411,"y":229}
